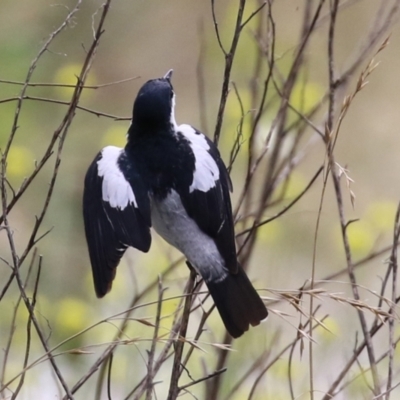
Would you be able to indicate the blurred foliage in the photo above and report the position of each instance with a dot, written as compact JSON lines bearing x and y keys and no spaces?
{"x":380,"y":214}
{"x":361,"y":238}
{"x":114,"y":136}
{"x":16,"y":168}
{"x":272,"y":233}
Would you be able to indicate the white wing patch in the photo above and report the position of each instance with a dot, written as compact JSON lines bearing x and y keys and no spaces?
{"x":172,"y":117}
{"x":116,"y":189}
{"x":206,"y":171}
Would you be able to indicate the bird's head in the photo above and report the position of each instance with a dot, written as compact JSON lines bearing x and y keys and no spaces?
{"x":154,"y":104}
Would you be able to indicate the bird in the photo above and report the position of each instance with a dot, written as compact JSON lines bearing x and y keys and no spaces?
{"x":171,"y":178}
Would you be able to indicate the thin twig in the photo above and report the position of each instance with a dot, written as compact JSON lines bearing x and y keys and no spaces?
{"x":150,"y":371}
{"x":7,"y":349}
{"x":59,"y":135}
{"x":100,"y":362}
{"x":229,"y":57}
{"x":173,"y":387}
{"x":331,"y":107}
{"x":331,"y":138}
{"x":204,"y":378}
{"x":29,"y":324}
{"x":286,"y":208}
{"x":66,"y":103}
{"x":276,"y":358}
{"x":32,"y":68}
{"x":330,"y":393}
{"x":47,"y":84}
{"x":393,"y":265}
{"x":110,"y":363}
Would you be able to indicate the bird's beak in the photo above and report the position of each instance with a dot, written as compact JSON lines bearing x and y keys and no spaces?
{"x":168,"y":75}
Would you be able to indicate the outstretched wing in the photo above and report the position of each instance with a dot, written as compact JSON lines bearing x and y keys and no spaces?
{"x":207,"y":200}
{"x":116,"y":213}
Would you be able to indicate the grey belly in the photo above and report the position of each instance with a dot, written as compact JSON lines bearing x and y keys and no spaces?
{"x":173,"y":224}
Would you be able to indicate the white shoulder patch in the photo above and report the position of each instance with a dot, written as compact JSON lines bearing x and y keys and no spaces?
{"x":116,"y":189}
{"x":206,"y":169}
{"x":172,"y":117}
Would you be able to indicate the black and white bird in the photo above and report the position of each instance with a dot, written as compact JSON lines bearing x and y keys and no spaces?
{"x":172,"y":178}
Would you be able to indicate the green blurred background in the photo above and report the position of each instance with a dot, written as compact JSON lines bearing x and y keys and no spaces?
{"x":145,"y":39}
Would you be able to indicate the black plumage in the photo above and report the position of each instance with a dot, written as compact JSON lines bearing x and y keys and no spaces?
{"x":171,"y":177}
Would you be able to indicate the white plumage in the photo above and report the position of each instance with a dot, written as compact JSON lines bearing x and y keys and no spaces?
{"x":206,"y":170}
{"x":116,"y":189}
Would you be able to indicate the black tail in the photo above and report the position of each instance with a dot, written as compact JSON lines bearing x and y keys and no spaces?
{"x":238,"y":303}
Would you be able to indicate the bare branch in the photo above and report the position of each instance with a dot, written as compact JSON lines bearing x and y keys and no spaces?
{"x":176,"y":368}
{"x":229,"y":57}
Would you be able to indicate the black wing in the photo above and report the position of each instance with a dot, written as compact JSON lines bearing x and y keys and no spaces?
{"x":116,"y":213}
{"x":207,"y":200}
